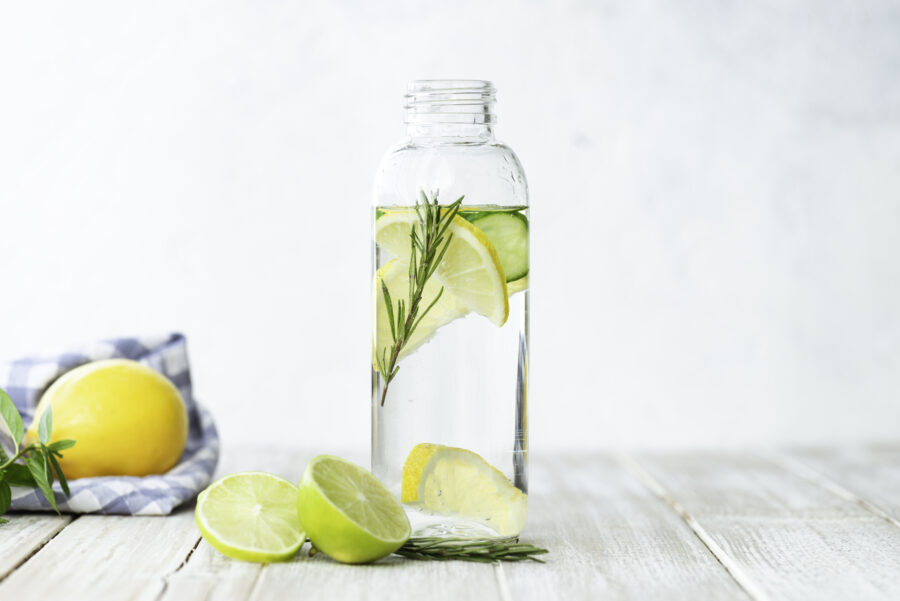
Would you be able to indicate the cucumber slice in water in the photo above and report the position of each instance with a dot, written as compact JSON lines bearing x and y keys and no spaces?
{"x":508,"y":232}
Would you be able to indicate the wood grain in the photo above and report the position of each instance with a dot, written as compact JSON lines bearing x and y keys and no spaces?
{"x":869,"y":475}
{"x":211,"y":576}
{"x":781,"y":535}
{"x":105,"y":557}
{"x":611,"y":538}
{"x":24,"y":535}
{"x":320,"y":578}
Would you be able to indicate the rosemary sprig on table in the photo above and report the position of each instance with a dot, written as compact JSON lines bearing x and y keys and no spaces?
{"x":483,"y":550}
{"x":32,"y":465}
{"x":428,"y":240}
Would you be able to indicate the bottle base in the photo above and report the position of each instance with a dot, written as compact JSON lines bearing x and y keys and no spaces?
{"x":427,"y":524}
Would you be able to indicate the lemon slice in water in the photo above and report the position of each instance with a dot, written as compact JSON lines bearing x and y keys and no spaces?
{"x":470,"y":270}
{"x":444,"y":479}
{"x":395,"y":275}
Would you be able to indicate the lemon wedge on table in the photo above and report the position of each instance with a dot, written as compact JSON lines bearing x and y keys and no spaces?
{"x":445,"y":479}
{"x":470,"y":270}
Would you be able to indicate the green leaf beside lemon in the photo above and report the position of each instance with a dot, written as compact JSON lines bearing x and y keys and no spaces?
{"x":33,"y":464}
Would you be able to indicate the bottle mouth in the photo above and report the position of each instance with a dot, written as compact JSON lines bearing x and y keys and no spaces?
{"x":453,"y":101}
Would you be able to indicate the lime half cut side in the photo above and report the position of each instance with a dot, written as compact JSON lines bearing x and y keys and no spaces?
{"x":251,"y":516}
{"x":348,"y":513}
{"x":470,"y":270}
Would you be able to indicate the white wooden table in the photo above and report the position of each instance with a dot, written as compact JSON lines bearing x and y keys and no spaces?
{"x":807,"y":525}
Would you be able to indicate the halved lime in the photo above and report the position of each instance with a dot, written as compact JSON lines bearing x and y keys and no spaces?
{"x":348,"y":513}
{"x":470,"y":270}
{"x":251,"y":516}
{"x":443,"y":479}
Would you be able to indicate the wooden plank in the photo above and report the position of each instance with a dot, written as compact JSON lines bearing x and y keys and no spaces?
{"x":211,"y":576}
{"x":869,"y":475}
{"x":780,"y":535}
{"x":24,"y":535}
{"x":611,"y":538}
{"x":320,"y":578}
{"x":105,"y":557}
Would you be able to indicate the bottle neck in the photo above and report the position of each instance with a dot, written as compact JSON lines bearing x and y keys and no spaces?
{"x":450,"y":111}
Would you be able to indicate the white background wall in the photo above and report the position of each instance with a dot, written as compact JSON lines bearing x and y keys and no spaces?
{"x":716,"y":190}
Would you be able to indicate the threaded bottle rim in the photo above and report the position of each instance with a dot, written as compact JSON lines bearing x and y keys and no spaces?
{"x":450,"y":101}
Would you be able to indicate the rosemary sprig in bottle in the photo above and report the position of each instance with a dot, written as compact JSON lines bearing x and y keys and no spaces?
{"x":428,"y":240}
{"x":484,"y":550}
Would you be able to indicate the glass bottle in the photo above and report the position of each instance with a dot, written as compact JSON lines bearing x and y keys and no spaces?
{"x":461,"y":376}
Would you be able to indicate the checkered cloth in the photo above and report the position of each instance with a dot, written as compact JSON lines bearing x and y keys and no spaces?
{"x":26,"y":379}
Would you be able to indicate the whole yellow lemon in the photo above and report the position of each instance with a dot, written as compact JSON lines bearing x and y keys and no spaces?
{"x":126,"y":419}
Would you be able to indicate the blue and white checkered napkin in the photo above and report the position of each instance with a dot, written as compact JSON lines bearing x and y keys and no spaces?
{"x":25,"y":380}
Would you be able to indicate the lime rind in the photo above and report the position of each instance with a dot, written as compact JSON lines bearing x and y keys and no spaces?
{"x":348,"y":513}
{"x":359,"y":508}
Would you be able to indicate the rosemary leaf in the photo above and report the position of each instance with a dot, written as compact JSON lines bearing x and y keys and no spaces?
{"x":387,"y":303}
{"x":416,"y":324}
{"x":483,"y":550}
{"x":440,"y":256}
{"x":416,"y":242}
{"x":400,"y":312}
{"x":452,"y":210}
